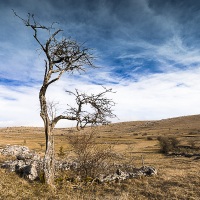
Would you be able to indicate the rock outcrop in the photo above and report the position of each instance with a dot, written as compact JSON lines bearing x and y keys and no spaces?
{"x":29,"y":165}
{"x":14,"y":150}
{"x":120,"y":175}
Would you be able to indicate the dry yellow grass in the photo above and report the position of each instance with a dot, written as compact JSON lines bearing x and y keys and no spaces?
{"x":178,"y":177}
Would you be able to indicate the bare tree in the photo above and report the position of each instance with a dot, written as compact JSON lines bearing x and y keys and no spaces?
{"x":65,"y":56}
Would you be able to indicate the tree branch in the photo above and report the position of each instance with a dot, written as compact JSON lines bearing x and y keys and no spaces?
{"x":102,"y":108}
{"x":56,"y":119}
{"x":67,"y":56}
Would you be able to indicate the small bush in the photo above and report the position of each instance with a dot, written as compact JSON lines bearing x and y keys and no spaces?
{"x":61,"y":152}
{"x":149,"y":138}
{"x":168,"y":144}
{"x":92,"y":158}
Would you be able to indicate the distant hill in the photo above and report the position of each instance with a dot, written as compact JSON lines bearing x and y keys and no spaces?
{"x":184,"y":124}
{"x":171,"y":125}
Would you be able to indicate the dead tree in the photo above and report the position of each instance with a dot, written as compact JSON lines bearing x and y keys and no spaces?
{"x":65,"y":56}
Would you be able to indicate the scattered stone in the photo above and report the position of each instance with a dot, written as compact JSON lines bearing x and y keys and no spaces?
{"x":28,"y":164}
{"x":183,"y":154}
{"x":14,"y":150}
{"x":64,"y":165}
{"x":120,"y":175}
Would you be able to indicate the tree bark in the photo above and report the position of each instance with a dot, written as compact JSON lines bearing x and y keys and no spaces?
{"x":49,"y":158}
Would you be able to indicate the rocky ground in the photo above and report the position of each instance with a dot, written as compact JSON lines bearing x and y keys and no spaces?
{"x":28,"y":164}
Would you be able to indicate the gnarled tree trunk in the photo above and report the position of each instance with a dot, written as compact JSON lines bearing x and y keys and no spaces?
{"x":49,"y":159}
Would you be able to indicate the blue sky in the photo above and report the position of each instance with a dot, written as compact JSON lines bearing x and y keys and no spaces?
{"x":148,"y":51}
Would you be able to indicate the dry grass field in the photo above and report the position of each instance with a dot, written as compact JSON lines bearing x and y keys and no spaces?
{"x":178,"y":176}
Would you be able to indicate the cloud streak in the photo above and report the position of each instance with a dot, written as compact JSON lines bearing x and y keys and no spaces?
{"x":152,"y":97}
{"x":148,"y":51}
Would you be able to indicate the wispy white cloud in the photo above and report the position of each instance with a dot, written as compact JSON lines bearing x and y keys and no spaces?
{"x":169,"y":55}
{"x":18,"y":106}
{"x":155,"y":96}
{"x":159,"y":96}
{"x":133,"y":40}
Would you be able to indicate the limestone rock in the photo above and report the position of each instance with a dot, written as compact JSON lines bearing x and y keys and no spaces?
{"x":14,"y":150}
{"x":27,"y":162}
{"x":28,"y":165}
{"x":120,"y":175}
{"x":147,"y":171}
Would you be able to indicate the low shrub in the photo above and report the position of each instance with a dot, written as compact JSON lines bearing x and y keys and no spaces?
{"x":168,"y":144}
{"x":149,"y":138}
{"x":92,"y":158}
{"x":61,"y":153}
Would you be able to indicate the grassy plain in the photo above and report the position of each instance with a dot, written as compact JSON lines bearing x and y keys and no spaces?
{"x":178,"y":176}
